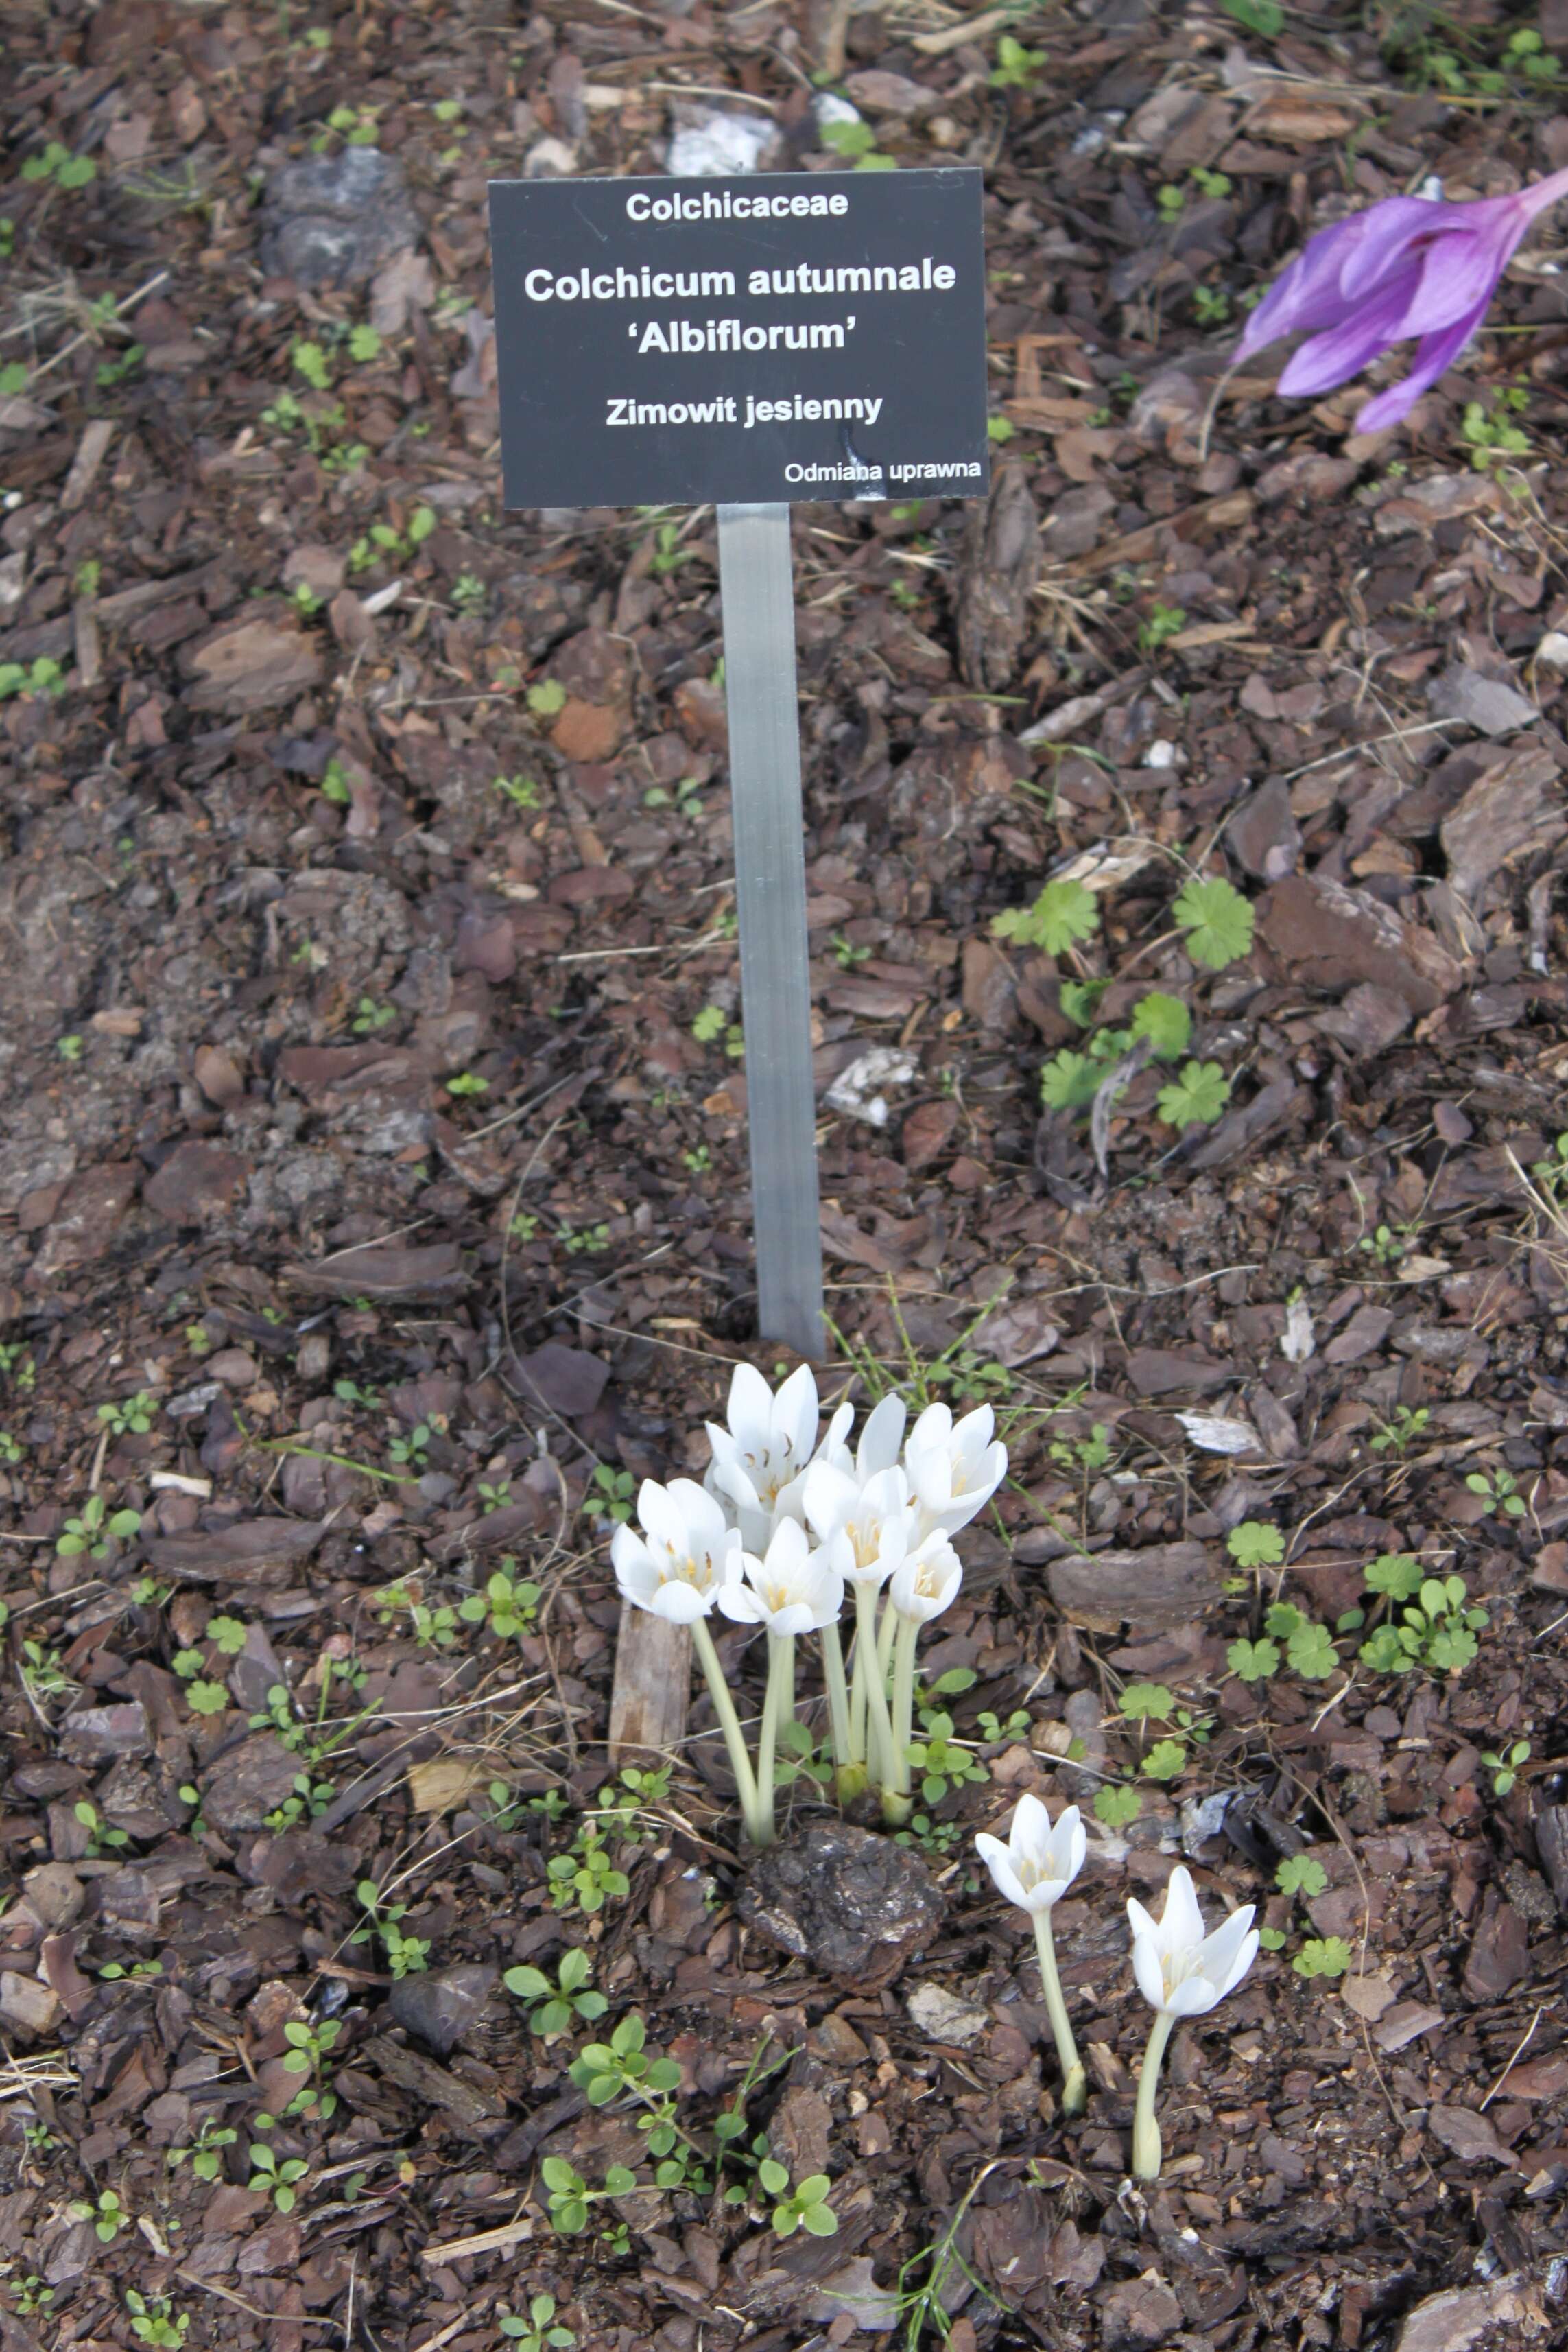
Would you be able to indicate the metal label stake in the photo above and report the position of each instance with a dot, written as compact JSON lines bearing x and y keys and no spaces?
{"x":757,"y":589}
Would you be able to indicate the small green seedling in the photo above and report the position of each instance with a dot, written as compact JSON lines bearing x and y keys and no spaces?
{"x":204,"y":2153}
{"x":1255,"y":1544}
{"x":569,"y":1998}
{"x":586,"y":1877}
{"x":856,"y":142}
{"x":1197,"y":1097}
{"x":521,"y":791}
{"x":1064,"y":913}
{"x":1164,"y":622}
{"x":271,"y":2178}
{"x":534,"y":2333}
{"x":1395,"y":1436}
{"x":156,"y":2322}
{"x":1325,"y":1956}
{"x":130,"y":1413}
{"x":1499,"y":1490}
{"x":107,"y":2214}
{"x":510,"y":1604}
{"x":59,"y":164}
{"x":805,"y":2207}
{"x":1218,"y":922}
{"x":407,"y":1955}
{"x":1504,"y":1766}
{"x":547,"y":697}
{"x":42,"y":676}
{"x":101,"y":1838}
{"x":571,"y":2197}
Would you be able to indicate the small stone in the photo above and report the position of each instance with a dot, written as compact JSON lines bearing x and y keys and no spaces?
{"x":1405,"y":2022}
{"x":1486,"y":704}
{"x":1499,"y":1955}
{"x":94,"y":1735}
{"x":54,"y":1895}
{"x":248,"y":1782}
{"x":944,"y":2016}
{"x":235,"y":1367}
{"x":1137,"y":2314}
{"x":28,"y":2006}
{"x":854,"y":1904}
{"x":1466,"y":2135}
{"x":333,"y":220}
{"x":197,"y":1180}
{"x":442,"y":2006}
{"x":1462,"y":2316}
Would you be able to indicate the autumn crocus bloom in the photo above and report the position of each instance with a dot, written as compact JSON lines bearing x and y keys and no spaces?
{"x":769,"y":1439}
{"x":1404,"y":269}
{"x":677,"y":1569}
{"x":686,"y":1552}
{"x":865,"y":1529}
{"x":792,"y":1589}
{"x":1181,"y":1972}
{"x":953,"y":1467}
{"x":1034,"y":1869}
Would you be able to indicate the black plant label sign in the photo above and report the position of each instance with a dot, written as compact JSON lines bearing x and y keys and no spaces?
{"x":741,"y":340}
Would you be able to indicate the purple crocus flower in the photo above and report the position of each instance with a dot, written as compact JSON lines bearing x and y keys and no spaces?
{"x":1402,"y":269}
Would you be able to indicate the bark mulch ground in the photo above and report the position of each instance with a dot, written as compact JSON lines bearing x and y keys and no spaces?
{"x":374,"y":1204}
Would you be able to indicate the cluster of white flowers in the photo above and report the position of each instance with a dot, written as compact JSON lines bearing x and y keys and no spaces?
{"x":1181,"y":1970}
{"x":783,"y":1525}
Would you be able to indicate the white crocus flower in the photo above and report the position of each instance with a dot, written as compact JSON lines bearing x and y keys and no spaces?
{"x":865,"y":1530}
{"x":1034,"y":1869}
{"x":686,"y":1552}
{"x":1037,"y":1863}
{"x":685,"y":1559}
{"x":1181,"y":1972}
{"x":764,"y":1448}
{"x":955,"y":1467}
{"x":926,"y":1580}
{"x":793,"y":1588}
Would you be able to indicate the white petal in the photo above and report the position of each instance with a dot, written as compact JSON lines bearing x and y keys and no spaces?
{"x":1221,"y":1948}
{"x":1146,"y":1965}
{"x":999,"y":1863}
{"x":681,"y":1602}
{"x":1030,"y":1831}
{"x":795,"y":1412}
{"x":1194,"y":1997}
{"x":830,"y":1497}
{"x":1181,"y":1921}
{"x":932,"y":1431}
{"x":749,"y":1411}
{"x":1071,"y":1835}
{"x":741,"y":1604}
{"x":882,"y":1436}
{"x":973,"y":1433}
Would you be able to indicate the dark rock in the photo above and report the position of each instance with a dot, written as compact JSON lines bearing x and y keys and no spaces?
{"x":1499,"y":1955}
{"x":567,"y":1381}
{"x":95,"y":1734}
{"x":197,"y":1181}
{"x":1158,"y":1372}
{"x":333,"y":220}
{"x":1138,"y":2314}
{"x":1332,"y":938}
{"x":1487,"y":704}
{"x":1369,"y":1020}
{"x":301,"y":1864}
{"x":1264,"y":833}
{"x":250,"y":1552}
{"x":85,"y":1217}
{"x":854,"y":1904}
{"x":442,"y":2005}
{"x":248,"y":1782}
{"x":1367,"y":1329}
{"x":1551,"y":1844}
{"x":1166,"y":1584}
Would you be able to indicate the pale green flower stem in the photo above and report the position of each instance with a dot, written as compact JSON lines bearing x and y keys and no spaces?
{"x":850,"y":1771}
{"x":1146,"y":2130}
{"x":1074,"y":2089}
{"x":777,"y":1707}
{"x":734,"y":1739}
{"x":875,"y":1728}
{"x":896,"y":1802}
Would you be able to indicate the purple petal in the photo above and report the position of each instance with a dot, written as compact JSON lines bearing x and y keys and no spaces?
{"x":1458,"y":272}
{"x":1389,"y":230}
{"x":1331,"y":359}
{"x":1433,"y":356}
{"x":1306,"y":295}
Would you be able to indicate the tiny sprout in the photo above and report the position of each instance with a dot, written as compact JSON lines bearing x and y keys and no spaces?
{"x":1504,"y":1766}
